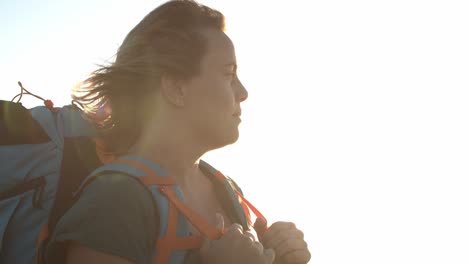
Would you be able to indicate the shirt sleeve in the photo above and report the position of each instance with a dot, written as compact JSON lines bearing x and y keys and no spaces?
{"x":115,"y":214}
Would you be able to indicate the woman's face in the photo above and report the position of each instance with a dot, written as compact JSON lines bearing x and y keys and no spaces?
{"x":213,"y":96}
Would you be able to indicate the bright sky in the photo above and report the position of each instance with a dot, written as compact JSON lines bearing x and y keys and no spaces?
{"x":356,"y":127}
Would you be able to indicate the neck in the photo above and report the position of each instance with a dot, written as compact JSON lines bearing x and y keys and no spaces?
{"x":177,"y":153}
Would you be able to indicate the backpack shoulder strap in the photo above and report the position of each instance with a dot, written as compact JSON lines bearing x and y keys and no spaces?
{"x":141,"y":172}
{"x":174,"y":235}
{"x":241,"y":204}
{"x":152,"y":177}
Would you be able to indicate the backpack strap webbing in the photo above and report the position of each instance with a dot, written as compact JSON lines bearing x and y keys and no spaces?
{"x":246,"y":205}
{"x":40,"y":244}
{"x":170,"y":242}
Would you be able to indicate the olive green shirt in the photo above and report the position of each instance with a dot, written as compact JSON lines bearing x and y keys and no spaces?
{"x":116,"y":215}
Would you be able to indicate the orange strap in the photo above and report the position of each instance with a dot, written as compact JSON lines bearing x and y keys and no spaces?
{"x":43,"y":236}
{"x":170,"y":242}
{"x":152,"y":178}
{"x":200,"y":223}
{"x":221,"y":176}
{"x":167,"y":244}
{"x":250,"y":205}
{"x":164,"y":249}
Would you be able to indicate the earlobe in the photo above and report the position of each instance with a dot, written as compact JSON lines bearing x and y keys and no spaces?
{"x":172,"y":90}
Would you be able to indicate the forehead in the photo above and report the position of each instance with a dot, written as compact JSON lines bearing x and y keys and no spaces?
{"x":219,"y":47}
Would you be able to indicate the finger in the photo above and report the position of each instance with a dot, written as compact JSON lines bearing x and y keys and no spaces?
{"x":297,"y":257}
{"x":254,"y":248}
{"x":258,"y":246}
{"x":290,"y":245}
{"x":234,"y":230}
{"x":219,"y":221}
{"x":282,"y":225}
{"x":260,"y":226}
{"x":277,"y":238}
{"x":269,"y":255}
{"x":250,"y":235}
{"x":207,"y":243}
{"x":276,"y":228}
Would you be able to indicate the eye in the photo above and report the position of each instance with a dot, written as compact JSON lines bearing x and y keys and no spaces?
{"x":231,"y":75}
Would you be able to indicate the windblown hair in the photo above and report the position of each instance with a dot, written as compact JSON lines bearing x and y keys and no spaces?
{"x":167,"y":42}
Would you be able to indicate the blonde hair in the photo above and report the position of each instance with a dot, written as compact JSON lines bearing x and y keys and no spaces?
{"x":168,"y":41}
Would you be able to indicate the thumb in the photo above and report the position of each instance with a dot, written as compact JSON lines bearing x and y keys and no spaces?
{"x":220,"y":222}
{"x":260,"y":226}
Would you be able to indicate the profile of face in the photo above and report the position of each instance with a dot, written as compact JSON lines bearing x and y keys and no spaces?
{"x":213,"y":97}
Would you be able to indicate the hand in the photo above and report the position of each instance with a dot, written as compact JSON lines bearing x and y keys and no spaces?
{"x":235,"y":246}
{"x":287,"y":241}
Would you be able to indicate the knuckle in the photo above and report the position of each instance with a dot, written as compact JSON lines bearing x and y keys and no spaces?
{"x":236,"y":227}
{"x":234,"y":230}
{"x":299,"y":256}
{"x":246,"y":240}
{"x":259,"y":247}
{"x":250,"y":235}
{"x":285,"y":244}
{"x":300,"y":234}
{"x":279,"y":224}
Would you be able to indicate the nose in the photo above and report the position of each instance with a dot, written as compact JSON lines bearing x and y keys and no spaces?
{"x":242,"y":93}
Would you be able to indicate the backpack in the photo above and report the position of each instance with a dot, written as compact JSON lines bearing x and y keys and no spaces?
{"x":47,"y":154}
{"x":34,"y":145}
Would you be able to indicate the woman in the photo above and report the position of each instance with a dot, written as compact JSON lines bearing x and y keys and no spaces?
{"x":171,"y":95}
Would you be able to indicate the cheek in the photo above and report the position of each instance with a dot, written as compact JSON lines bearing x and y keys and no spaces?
{"x":214,"y":94}
{"x":219,"y":95}
{"x":222,"y":102}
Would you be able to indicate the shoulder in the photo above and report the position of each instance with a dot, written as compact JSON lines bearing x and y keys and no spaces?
{"x":117,"y":189}
{"x":111,"y":196}
{"x":114,"y":214}
{"x":118,"y":194}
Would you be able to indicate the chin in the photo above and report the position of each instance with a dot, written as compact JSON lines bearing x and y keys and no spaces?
{"x":235,"y":137}
{"x":225,"y":139}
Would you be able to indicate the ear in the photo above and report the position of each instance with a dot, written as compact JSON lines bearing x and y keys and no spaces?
{"x":172,"y":89}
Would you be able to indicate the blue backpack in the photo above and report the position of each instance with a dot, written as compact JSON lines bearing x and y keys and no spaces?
{"x":47,"y":154}
{"x":37,"y":146}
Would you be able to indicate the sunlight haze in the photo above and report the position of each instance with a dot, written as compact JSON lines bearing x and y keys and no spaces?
{"x":356,"y":125}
